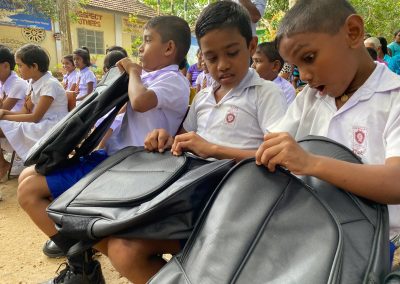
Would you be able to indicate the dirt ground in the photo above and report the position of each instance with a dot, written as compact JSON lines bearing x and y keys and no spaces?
{"x":21,"y":257}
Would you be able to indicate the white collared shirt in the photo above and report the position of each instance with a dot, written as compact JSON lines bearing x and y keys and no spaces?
{"x":172,"y":90}
{"x":16,"y":88}
{"x":243,"y":115}
{"x":260,"y":5}
{"x":84,"y":77}
{"x":49,"y":86}
{"x":368,"y":123}
{"x":70,"y":79}
{"x":287,"y":88}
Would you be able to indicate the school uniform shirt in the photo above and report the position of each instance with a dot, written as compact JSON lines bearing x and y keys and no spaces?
{"x":23,"y":135}
{"x":16,"y":88}
{"x":70,"y":79}
{"x":204,"y":80}
{"x":172,"y":90}
{"x":287,"y":88}
{"x":195,"y":71}
{"x":84,"y":77}
{"x":368,"y":123}
{"x":260,"y":5}
{"x":241,"y":118}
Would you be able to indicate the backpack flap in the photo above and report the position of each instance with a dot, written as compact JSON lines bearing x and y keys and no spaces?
{"x":125,"y":189}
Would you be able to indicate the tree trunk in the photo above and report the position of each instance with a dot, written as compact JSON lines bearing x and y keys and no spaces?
{"x":65,"y":29}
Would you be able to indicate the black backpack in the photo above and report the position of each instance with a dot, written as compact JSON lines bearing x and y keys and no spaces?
{"x":71,"y":134}
{"x":137,"y":194}
{"x":263,"y":227}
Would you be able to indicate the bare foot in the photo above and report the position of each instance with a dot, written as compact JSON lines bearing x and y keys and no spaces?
{"x":4,"y":168}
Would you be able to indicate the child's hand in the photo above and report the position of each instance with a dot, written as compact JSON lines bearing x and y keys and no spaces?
{"x":191,"y":142}
{"x":282,"y":149}
{"x":129,"y":66}
{"x":1,"y":113}
{"x":158,"y":140}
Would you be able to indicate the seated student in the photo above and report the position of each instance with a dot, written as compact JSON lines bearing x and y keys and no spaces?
{"x":204,"y":79}
{"x":195,"y":69}
{"x":69,"y":79}
{"x":158,"y":98}
{"x":227,"y":120}
{"x":13,"y":89}
{"x":349,"y":98}
{"x":86,"y":80}
{"x":110,"y":60}
{"x":117,"y":48}
{"x":268,"y":63}
{"x":45,"y":105}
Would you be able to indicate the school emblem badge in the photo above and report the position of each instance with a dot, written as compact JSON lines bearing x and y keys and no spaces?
{"x":360,"y":140}
{"x":231,"y":115}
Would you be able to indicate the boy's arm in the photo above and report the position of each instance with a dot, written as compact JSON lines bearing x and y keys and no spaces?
{"x":160,"y":140}
{"x":140,"y":98}
{"x":375,"y":182}
{"x":252,"y":9}
{"x":9,"y":103}
{"x":194,"y":143}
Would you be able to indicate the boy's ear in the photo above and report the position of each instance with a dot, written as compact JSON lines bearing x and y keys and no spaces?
{"x":170,"y":48}
{"x":277,"y":66}
{"x":354,"y":28}
{"x":253,"y":45}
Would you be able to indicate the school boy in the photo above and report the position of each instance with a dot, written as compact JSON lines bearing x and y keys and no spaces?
{"x":268,"y":63}
{"x":226,"y":120}
{"x":349,"y":99}
{"x":158,"y":97}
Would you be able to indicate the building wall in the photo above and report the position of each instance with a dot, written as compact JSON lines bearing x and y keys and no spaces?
{"x":15,"y":37}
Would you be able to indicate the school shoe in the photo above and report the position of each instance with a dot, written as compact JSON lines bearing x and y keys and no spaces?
{"x":69,"y":275}
{"x":52,"y":250}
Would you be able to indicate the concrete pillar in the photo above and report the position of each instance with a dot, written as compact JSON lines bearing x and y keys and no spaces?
{"x":118,"y":29}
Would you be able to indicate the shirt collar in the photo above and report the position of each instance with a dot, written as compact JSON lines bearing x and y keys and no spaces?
{"x":37,"y":85}
{"x":153,"y":74}
{"x":251,"y":79}
{"x":9,"y":80}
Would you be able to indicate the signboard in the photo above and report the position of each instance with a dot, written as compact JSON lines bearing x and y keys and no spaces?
{"x":17,"y":16}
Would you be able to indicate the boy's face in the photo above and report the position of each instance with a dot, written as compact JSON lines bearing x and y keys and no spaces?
{"x":326,"y":62}
{"x":152,"y":51}
{"x":24,"y":70}
{"x":266,"y":69}
{"x":227,"y":55}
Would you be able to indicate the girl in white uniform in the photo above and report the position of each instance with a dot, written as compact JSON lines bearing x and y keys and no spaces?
{"x":86,"y":80}
{"x":69,"y":79}
{"x":45,"y":104}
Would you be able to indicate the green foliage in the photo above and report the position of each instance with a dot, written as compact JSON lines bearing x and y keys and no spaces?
{"x":381,"y":16}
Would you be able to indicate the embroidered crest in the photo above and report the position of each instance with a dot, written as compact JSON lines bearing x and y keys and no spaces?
{"x":231,"y":116}
{"x":360,"y":140}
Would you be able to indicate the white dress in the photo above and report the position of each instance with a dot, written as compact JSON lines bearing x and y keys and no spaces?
{"x":23,"y":135}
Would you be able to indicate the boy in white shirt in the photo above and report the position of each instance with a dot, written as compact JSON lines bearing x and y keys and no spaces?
{"x":349,"y":99}
{"x":226,"y":120}
{"x":268,"y":63}
{"x":158,"y":97}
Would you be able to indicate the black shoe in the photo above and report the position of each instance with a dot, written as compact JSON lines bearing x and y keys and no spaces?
{"x":52,"y":250}
{"x":69,"y":275}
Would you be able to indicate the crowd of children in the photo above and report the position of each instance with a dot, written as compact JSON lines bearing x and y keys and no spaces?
{"x":239,"y":111}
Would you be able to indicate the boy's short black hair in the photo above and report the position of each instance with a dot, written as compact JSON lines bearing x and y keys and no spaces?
{"x":84,"y":53}
{"x":30,"y":54}
{"x":175,"y":29}
{"x":224,"y":14}
{"x":318,"y":16}
{"x":117,"y":47}
{"x":6,"y":55}
{"x":270,"y":51}
{"x":112,"y":58}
